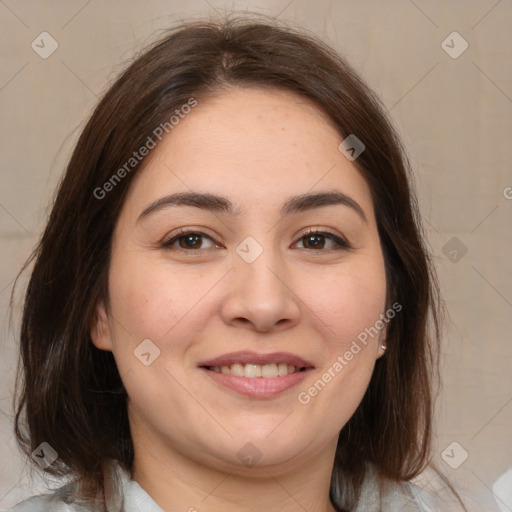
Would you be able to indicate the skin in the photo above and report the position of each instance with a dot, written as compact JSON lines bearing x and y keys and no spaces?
{"x":257,"y":148}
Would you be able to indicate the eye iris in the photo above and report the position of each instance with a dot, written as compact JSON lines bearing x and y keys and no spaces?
{"x":190,"y":241}
{"x":314,"y":241}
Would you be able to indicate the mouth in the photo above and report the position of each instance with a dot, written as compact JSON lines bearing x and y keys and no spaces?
{"x":251,"y":364}
{"x":251,"y":371}
{"x":257,"y":375}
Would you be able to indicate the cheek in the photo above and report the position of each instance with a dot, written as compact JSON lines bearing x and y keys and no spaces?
{"x":151,"y":299}
{"x":350,"y":347}
{"x":351,"y":308}
{"x":351,"y":303}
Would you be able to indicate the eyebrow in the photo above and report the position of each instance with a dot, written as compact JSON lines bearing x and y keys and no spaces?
{"x":220,"y":204}
{"x":309,"y":201}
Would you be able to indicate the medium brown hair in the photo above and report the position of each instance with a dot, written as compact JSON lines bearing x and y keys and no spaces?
{"x":70,"y":394}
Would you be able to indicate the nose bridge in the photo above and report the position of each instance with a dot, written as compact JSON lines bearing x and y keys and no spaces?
{"x":260,"y":294}
{"x":258,"y":267}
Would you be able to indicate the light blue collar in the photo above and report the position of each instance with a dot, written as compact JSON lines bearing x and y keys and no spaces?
{"x":125,"y":494}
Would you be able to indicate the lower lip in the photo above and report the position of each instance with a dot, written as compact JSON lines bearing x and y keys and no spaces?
{"x":258,"y":387}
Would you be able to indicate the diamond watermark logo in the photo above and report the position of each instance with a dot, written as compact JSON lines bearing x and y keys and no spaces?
{"x":249,"y":250}
{"x":454,"y":249}
{"x":147,"y":352}
{"x":454,"y":455}
{"x":454,"y":45}
{"x":44,"y":45}
{"x":351,"y":147}
{"x":44,"y":455}
{"x":249,"y":455}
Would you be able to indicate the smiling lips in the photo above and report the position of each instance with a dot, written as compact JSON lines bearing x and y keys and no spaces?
{"x":250,"y":371}
{"x":257,"y":375}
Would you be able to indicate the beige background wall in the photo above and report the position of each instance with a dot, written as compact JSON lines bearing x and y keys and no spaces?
{"x":455,"y":115}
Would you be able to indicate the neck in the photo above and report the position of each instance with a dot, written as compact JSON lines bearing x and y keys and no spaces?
{"x":175,"y":482}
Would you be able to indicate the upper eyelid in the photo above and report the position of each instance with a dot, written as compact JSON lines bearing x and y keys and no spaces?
{"x":310,"y":230}
{"x":313,"y":231}
{"x":187,"y":231}
{"x":319,"y":231}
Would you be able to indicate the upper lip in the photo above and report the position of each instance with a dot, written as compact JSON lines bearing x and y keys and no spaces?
{"x":248,"y":357}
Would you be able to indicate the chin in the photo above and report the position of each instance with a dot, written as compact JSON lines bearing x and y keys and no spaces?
{"x":253,"y":453}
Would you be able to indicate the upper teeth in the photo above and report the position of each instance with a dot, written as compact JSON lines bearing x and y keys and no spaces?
{"x":269,"y":371}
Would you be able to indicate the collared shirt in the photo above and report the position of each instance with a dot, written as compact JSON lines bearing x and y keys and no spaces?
{"x":122,"y":494}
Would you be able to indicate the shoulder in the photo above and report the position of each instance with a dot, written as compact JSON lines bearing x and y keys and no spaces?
{"x":427,"y":493}
{"x":120,"y":494}
{"x":34,"y":504}
{"x":43,"y":503}
{"x":52,"y":502}
{"x":432,"y":492}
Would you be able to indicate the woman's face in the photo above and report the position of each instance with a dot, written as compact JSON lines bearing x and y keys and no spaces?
{"x":216,"y":279}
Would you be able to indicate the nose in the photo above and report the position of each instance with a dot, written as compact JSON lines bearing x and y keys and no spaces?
{"x":261,"y":296}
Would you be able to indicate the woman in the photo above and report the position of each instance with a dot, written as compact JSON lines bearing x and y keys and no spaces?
{"x":229,"y":307}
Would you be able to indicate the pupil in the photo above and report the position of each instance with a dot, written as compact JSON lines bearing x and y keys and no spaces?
{"x":314,"y":241}
{"x":191,"y":241}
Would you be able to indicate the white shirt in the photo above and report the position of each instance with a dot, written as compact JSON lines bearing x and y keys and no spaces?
{"x":122,"y":494}
{"x":127,"y":496}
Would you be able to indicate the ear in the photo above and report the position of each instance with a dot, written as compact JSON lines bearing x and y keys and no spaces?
{"x":100,"y":328}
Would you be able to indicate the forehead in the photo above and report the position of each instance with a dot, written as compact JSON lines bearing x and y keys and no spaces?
{"x":252,"y":145}
{"x":255,"y":123}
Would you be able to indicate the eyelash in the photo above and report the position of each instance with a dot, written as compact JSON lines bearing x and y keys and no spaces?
{"x":340,"y":242}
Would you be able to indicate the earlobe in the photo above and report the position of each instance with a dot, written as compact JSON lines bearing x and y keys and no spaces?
{"x":382,"y":347}
{"x":100,"y":329}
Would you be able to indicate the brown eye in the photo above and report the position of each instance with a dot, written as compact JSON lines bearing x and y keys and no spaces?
{"x":314,"y":241}
{"x":189,"y":241}
{"x":318,"y":240}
